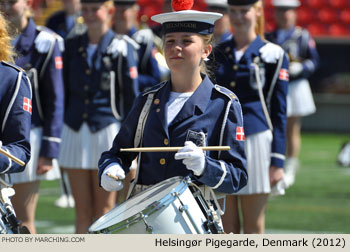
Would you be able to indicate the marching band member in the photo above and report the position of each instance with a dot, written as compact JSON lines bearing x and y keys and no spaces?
{"x":15,"y":108}
{"x":188,"y":110}
{"x":257,"y":71}
{"x":303,"y":56}
{"x":39,"y":51}
{"x":63,"y":21}
{"x":101,"y":84}
{"x":125,"y":22}
{"x":222,"y":30}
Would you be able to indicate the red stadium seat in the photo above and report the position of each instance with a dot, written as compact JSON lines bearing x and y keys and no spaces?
{"x":338,"y":30}
{"x":317,"y":29}
{"x":316,"y":3}
{"x":327,"y":15}
{"x":345,"y":16}
{"x":340,"y":4}
{"x":305,"y":15}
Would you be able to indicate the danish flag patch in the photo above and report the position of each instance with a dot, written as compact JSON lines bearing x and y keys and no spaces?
{"x":240,"y":134}
{"x":133,"y":72}
{"x":27,"y":105}
{"x":284,"y":75}
{"x":59,"y":62}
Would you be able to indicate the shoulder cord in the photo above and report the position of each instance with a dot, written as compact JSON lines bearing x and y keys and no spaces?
{"x":139,"y":136}
{"x":118,"y":116}
{"x":266,"y":105}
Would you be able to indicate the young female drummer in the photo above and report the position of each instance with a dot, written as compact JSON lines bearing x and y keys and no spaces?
{"x":101,"y":84}
{"x":188,"y":110}
{"x":258,"y":72}
{"x":39,"y":54}
{"x":15,"y":107}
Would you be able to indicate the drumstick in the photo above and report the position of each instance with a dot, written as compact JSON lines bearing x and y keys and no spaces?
{"x":172,"y":149}
{"x":114,"y":177}
{"x":15,"y":159}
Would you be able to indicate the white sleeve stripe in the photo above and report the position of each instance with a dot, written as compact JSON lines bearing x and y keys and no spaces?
{"x":223,"y":167}
{"x":278,"y":155}
{"x":52,"y":139}
{"x":18,"y":84}
{"x":10,"y":162}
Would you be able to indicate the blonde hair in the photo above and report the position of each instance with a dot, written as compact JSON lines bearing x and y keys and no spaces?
{"x":6,"y":52}
{"x":260,"y":22}
{"x":207,"y":40}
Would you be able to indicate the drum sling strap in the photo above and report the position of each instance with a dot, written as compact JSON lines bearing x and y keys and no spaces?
{"x":139,"y":135}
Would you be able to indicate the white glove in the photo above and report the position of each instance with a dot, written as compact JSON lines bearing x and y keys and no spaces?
{"x":193,"y":157}
{"x":295,"y":68}
{"x":110,"y":184}
{"x":118,"y":46}
{"x":270,"y":53}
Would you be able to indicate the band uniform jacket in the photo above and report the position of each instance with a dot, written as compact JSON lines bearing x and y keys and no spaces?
{"x":148,"y":68}
{"x":211,"y":116}
{"x":267,"y":64}
{"x":58,"y":22}
{"x":15,"y":116}
{"x":40,"y":55}
{"x":300,"y":47}
{"x":104,"y":93}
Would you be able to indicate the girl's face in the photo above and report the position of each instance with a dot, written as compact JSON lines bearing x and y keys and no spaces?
{"x":95,"y":14}
{"x":16,"y":10}
{"x":184,"y":51}
{"x":243,"y":17}
{"x":285,"y":17}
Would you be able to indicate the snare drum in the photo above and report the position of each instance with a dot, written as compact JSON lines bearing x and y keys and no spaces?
{"x":168,"y":207}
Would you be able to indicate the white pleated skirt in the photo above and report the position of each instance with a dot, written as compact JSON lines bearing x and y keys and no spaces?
{"x":299,"y":99}
{"x":29,"y":174}
{"x":258,"y":153}
{"x":82,"y":149}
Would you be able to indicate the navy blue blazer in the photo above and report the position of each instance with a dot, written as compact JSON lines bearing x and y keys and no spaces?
{"x":41,"y":57}
{"x":212,"y":110}
{"x":149,"y":73}
{"x":239,"y":76}
{"x":15,"y":116}
{"x":58,"y":23}
{"x":101,"y":94}
{"x":300,"y":47}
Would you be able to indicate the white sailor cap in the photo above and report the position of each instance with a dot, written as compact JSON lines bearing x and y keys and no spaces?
{"x":286,"y":3}
{"x":221,"y":4}
{"x":185,"y":20}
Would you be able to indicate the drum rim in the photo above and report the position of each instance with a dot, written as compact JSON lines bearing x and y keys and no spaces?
{"x":148,"y":210}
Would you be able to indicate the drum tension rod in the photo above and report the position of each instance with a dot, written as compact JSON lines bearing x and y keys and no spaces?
{"x":149,"y":228}
{"x":184,"y":208}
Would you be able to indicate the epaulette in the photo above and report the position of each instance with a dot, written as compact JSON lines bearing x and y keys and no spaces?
{"x":19,"y":69}
{"x":77,"y":30}
{"x":154,"y":88}
{"x":270,"y":52}
{"x":226,"y":92}
{"x":45,"y":39}
{"x":129,"y":40}
{"x":143,"y":36}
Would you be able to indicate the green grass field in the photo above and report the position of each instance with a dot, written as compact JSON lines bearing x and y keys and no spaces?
{"x":318,"y":202}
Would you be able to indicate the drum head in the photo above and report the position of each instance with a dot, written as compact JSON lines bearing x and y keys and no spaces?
{"x":139,"y":203}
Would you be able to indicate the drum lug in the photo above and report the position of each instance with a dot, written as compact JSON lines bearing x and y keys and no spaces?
{"x":149,"y":228}
{"x":183,"y":208}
